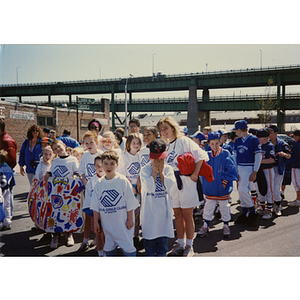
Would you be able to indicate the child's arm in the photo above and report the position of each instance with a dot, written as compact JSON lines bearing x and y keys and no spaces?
{"x":138,"y":185}
{"x":84,"y":180}
{"x":129,"y":222}
{"x":161,"y":165}
{"x":97,"y":221}
{"x":269,"y":160}
{"x":195,"y":174}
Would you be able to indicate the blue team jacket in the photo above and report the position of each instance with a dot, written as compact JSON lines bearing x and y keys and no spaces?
{"x":224,"y":168}
{"x":295,"y":155}
{"x":281,"y":146}
{"x":26,"y":156}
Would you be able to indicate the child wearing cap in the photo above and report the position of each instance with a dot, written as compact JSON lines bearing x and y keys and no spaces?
{"x":218,"y":191}
{"x":268,"y":157}
{"x":157,"y":183}
{"x":199,"y":138}
{"x":295,"y":163}
{"x":247,"y":154}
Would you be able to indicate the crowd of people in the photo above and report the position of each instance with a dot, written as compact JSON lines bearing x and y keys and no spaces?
{"x":134,"y":185}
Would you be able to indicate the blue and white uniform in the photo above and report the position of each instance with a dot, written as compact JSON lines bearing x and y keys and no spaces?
{"x":247,"y":153}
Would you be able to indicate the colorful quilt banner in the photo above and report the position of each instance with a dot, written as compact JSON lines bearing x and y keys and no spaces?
{"x":56,"y":205}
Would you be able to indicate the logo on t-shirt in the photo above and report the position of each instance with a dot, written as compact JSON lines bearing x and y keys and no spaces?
{"x":134,"y":168}
{"x":144,"y":159}
{"x":91,"y":170}
{"x":159,"y":187}
{"x":171,"y":156}
{"x":110,"y":198}
{"x":60,"y":171}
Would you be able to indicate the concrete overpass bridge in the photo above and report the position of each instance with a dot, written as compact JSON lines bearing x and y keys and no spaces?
{"x":280,"y":77}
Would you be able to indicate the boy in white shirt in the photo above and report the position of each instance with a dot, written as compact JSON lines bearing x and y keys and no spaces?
{"x":113,"y":203}
{"x":157,"y":183}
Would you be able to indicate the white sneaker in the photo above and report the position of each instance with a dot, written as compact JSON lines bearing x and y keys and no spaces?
{"x":267,"y":215}
{"x":188,"y":251}
{"x":226,"y":231}
{"x":295,"y":203}
{"x":203,"y":231}
{"x":54,"y":242}
{"x":277,"y":210}
{"x":70,"y":240}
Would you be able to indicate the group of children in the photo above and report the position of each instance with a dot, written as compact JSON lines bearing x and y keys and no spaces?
{"x":135,"y":192}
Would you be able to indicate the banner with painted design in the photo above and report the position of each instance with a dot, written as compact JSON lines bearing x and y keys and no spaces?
{"x":56,"y":205}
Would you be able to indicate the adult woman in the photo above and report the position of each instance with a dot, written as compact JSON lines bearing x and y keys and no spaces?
{"x":95,"y":125}
{"x":30,"y":152}
{"x":186,"y":198}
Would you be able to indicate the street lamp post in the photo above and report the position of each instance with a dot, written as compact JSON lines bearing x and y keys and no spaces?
{"x":260,"y":59}
{"x":153,"y":63}
{"x":126,"y":127}
{"x":99,"y":72}
{"x":17,"y":72}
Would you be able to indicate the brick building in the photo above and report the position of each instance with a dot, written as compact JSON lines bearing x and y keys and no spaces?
{"x":19,"y":117}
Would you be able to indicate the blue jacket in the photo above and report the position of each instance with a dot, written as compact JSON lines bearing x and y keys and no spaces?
{"x":295,"y":155}
{"x":68,"y":141}
{"x":26,"y":156}
{"x":281,"y":146}
{"x":224,"y":168}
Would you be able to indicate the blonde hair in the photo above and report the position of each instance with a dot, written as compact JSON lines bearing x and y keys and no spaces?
{"x":58,"y":142}
{"x":130,"y":139}
{"x":91,"y":134}
{"x":110,"y":134}
{"x":48,"y":147}
{"x":172,"y":123}
{"x":78,"y":150}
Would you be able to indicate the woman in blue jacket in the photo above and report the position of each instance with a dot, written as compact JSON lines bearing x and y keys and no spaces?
{"x":218,"y":191}
{"x":30,"y":152}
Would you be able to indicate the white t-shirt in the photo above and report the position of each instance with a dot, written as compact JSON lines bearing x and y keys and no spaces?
{"x":181,"y":146}
{"x":130,"y":167}
{"x":156,"y":210}
{"x":89,"y":190}
{"x":87,"y":166}
{"x":41,"y":170}
{"x":144,"y":156}
{"x":64,"y":167}
{"x":113,"y":199}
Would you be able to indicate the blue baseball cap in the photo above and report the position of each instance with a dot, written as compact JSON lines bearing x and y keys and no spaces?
{"x":186,"y":131}
{"x":199,"y":135}
{"x":241,"y":124}
{"x":214,"y":135}
{"x":273,"y":127}
{"x":264,"y":132}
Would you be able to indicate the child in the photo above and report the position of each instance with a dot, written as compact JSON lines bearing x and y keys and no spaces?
{"x":7,"y":183}
{"x":130,"y":167}
{"x":247,"y":154}
{"x":87,"y":171}
{"x":268,"y":158}
{"x":100,"y":238}
{"x":149,"y":134}
{"x":69,"y":150}
{"x":295,"y":163}
{"x":62,"y":166}
{"x":218,"y":191}
{"x":158,"y":182}
{"x":78,"y":152}
{"x":113,"y":203}
{"x":45,"y":164}
{"x":108,"y":142}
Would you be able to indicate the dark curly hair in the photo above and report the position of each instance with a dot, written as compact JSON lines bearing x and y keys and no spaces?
{"x":30,"y":130}
{"x":92,"y":121}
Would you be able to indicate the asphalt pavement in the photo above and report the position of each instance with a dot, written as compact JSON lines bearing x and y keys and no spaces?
{"x":277,"y":237}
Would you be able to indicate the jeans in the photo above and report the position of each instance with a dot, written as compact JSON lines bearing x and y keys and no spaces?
{"x":113,"y":253}
{"x":156,"y":247}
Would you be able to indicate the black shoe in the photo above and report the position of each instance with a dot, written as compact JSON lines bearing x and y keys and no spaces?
{"x":242,"y":219}
{"x":252,"y":218}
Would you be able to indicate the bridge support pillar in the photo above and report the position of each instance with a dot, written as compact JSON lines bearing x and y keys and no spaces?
{"x":70,"y":100}
{"x":204,"y":116}
{"x":280,"y":111}
{"x":113,"y":125}
{"x":192,"y":113}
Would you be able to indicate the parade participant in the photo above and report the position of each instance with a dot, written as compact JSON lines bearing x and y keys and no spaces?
{"x":89,"y":190}
{"x":87,"y":171}
{"x":67,"y":140}
{"x":46,"y":132}
{"x":78,"y":152}
{"x":268,"y":157}
{"x":187,"y":197}
{"x":113,"y":203}
{"x":135,"y":127}
{"x":199,"y":138}
{"x":295,"y":164}
{"x":45,"y":164}
{"x":30,"y":152}
{"x":7,"y":182}
{"x":218,"y":191}
{"x":62,"y":166}
{"x":120,"y":142}
{"x":95,"y":125}
{"x":108,"y":142}
{"x":8,"y":144}
{"x":282,"y":152}
{"x":130,"y":166}
{"x":223,"y":141}
{"x":121,"y":131}
{"x":247,"y":154}
{"x":158,"y":182}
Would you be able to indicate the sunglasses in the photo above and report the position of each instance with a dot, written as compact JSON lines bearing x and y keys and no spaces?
{"x":35,"y":130}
